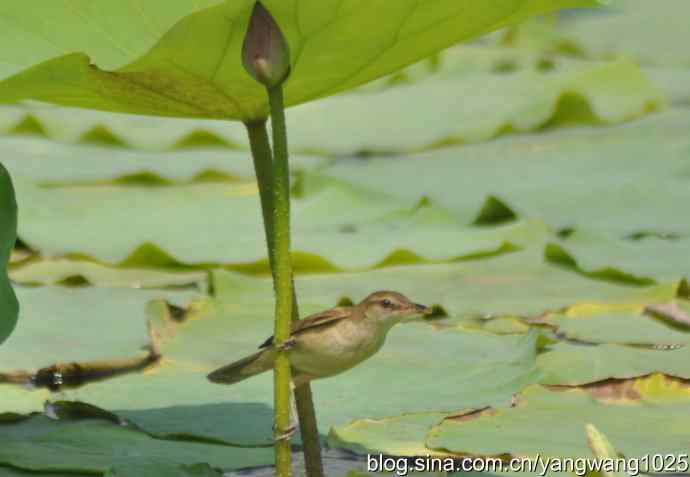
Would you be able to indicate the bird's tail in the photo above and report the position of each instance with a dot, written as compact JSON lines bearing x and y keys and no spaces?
{"x":244,"y":368}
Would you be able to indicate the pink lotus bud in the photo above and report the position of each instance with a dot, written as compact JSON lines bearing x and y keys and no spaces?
{"x":265,"y":52}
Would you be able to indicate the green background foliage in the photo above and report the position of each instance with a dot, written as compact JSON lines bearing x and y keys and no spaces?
{"x":9,"y":307}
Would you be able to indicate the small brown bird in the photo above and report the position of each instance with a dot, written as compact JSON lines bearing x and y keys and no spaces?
{"x":330,"y":342}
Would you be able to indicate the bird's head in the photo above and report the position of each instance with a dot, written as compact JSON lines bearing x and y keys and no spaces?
{"x":391,"y":307}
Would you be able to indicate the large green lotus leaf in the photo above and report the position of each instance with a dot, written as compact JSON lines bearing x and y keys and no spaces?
{"x":113,"y":33}
{"x":618,"y":327}
{"x":9,"y":308}
{"x":79,"y":272}
{"x":447,"y":109}
{"x":643,"y":260}
{"x":576,"y":364}
{"x":637,"y":430}
{"x":42,"y":444}
{"x":335,"y":46}
{"x":622,"y":180}
{"x":221,"y":223}
{"x":635,"y":28}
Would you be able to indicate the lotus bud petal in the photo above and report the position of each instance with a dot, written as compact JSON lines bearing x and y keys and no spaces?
{"x":265,"y":52}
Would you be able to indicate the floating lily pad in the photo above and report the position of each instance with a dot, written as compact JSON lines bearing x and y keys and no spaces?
{"x":82,"y":273}
{"x":576,"y":364}
{"x":447,"y":111}
{"x":635,"y":28}
{"x":639,"y":262}
{"x":517,"y":284}
{"x":539,"y":411}
{"x":334,"y":224}
{"x":94,"y":446}
{"x":618,"y":327}
{"x":63,"y":166}
{"x":501,"y":430}
{"x":619,"y":180}
{"x":393,"y":436}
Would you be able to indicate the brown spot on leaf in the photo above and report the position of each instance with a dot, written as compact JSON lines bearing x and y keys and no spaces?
{"x":670,"y":312}
{"x":631,"y":390}
{"x":176,"y":313}
{"x":469,"y":414}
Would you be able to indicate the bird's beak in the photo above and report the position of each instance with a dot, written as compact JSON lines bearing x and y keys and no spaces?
{"x":421,"y":309}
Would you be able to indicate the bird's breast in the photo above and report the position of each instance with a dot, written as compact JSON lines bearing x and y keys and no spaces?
{"x":343,"y":346}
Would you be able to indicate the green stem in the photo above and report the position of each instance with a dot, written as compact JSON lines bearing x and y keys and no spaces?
{"x":283,"y":278}
{"x":263,"y":166}
{"x":262,"y":156}
{"x":311,"y":442}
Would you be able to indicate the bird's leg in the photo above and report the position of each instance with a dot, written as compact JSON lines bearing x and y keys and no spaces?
{"x":294,"y":420}
{"x":287,"y":345}
{"x":294,"y":416}
{"x":50,"y":408}
{"x":292,"y":427}
{"x":50,"y":411}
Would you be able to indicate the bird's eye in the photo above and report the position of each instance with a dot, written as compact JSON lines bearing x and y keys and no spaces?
{"x":387,"y":303}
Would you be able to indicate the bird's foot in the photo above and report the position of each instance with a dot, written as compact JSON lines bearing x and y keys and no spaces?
{"x":287,"y":435}
{"x":286,"y":345}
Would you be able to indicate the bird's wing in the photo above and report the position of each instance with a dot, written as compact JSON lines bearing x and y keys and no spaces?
{"x":314,"y":321}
